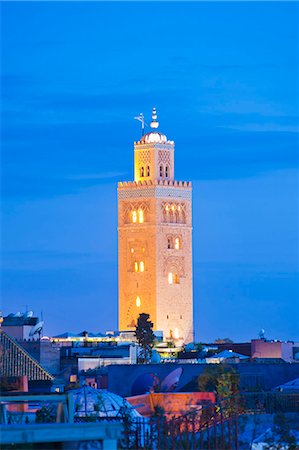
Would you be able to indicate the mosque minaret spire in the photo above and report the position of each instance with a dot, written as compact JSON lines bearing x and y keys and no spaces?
{"x":155,"y":241}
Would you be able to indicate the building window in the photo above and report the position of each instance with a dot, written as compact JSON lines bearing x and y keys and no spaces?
{"x":166,"y":171}
{"x":138,"y":302}
{"x":176,"y":278}
{"x":73,"y":378}
{"x":161,"y":171}
{"x":142,"y":171}
{"x":173,"y":278}
{"x":141,"y":266}
{"x":148,"y":171}
{"x":177,"y":243}
{"x":167,"y":317}
{"x":134,"y":216}
{"x":176,"y":334}
{"x":169,"y":242}
{"x":140,"y":216}
{"x":136,"y":266}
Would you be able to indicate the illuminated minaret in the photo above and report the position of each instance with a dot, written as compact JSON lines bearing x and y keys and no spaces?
{"x":155,"y":241}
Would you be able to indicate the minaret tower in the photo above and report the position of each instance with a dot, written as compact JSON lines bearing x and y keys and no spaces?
{"x":155,"y":241}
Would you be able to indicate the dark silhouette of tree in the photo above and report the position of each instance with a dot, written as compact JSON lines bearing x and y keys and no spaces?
{"x":145,"y":336}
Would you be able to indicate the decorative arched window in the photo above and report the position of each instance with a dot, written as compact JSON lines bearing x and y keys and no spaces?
{"x":169,"y":242}
{"x":161,"y":171}
{"x":134,"y":216}
{"x":140,"y":216}
{"x":173,"y":278}
{"x":138,"y":301}
{"x":166,"y":171}
{"x":141,"y":266}
{"x":177,"y":243}
{"x":142,"y":171}
{"x":148,"y":171}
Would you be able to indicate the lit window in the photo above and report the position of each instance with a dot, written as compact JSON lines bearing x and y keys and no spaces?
{"x":173,"y":207}
{"x":177,"y":243}
{"x":141,"y":266}
{"x":167,"y":208}
{"x":142,"y":171}
{"x":148,"y":171}
{"x":132,"y":250}
{"x":179,"y":208}
{"x":143,"y":249}
{"x":161,"y":171}
{"x":176,"y":334}
{"x":134,"y":216}
{"x":136,"y":266}
{"x":73,"y":378}
{"x":138,"y":302}
{"x":176,"y":278}
{"x":170,"y":278}
{"x":140,"y":216}
{"x":166,"y":171}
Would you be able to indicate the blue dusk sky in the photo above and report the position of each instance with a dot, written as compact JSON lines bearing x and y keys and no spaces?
{"x":224,"y":78}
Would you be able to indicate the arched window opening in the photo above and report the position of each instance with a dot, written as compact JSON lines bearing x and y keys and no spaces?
{"x":169,"y":242}
{"x":173,"y":278}
{"x":176,"y":278}
{"x":161,"y":171}
{"x":136,"y":266}
{"x":140,"y":216}
{"x":177,"y":243}
{"x":176,"y":333}
{"x":138,"y":302}
{"x":134,"y":216}
{"x":166,"y":171}
{"x":148,"y":171}
{"x":142,"y":171}
{"x":141,"y":266}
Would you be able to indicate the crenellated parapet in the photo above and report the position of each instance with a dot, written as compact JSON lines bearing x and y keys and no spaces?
{"x":146,"y":183}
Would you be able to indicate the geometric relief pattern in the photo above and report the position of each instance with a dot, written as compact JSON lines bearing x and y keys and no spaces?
{"x":164,"y":157}
{"x":174,"y":264}
{"x":156,"y":192}
{"x":135,"y":206}
{"x":144,"y":157}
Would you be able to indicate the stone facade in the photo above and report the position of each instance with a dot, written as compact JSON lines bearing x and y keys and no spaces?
{"x":155,"y":243}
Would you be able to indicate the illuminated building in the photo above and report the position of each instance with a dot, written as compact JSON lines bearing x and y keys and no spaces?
{"x":155,"y":241}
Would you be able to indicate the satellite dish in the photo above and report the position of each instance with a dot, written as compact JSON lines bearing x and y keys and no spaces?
{"x":171,"y":381}
{"x":262,"y":334}
{"x":28,"y":314}
{"x":36,"y":329}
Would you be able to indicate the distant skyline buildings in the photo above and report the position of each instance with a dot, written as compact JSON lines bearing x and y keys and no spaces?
{"x":74,"y":76}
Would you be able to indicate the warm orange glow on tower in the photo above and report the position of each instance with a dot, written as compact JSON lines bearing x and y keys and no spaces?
{"x":155,"y":241}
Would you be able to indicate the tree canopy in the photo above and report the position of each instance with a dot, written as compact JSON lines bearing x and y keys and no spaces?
{"x":145,"y":336}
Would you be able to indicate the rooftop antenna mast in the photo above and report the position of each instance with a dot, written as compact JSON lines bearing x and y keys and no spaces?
{"x":140,"y":118}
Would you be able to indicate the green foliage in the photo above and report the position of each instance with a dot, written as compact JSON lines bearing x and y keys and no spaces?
{"x":224,"y":380}
{"x":145,"y":336}
{"x":46,"y":414}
